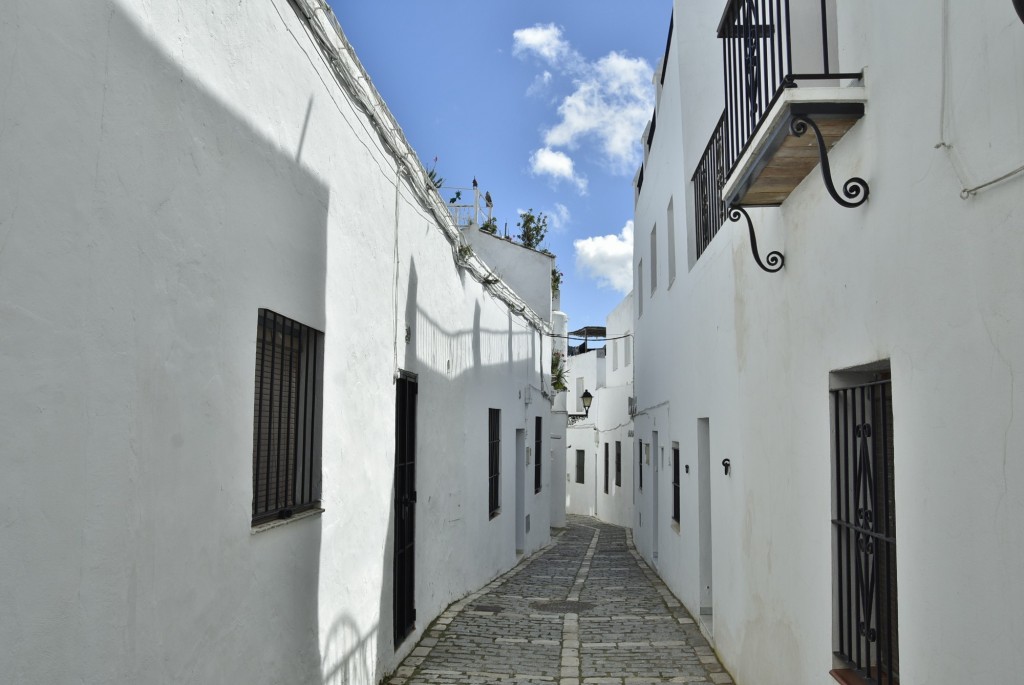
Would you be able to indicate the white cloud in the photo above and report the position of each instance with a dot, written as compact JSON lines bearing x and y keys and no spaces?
{"x":559,"y":217}
{"x":608,"y":259}
{"x":540,"y":83}
{"x":557,"y":165}
{"x":543,"y":40}
{"x":612,"y":105}
{"x":609,"y":106}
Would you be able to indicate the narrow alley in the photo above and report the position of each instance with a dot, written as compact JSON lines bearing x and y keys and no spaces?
{"x":585,"y":609}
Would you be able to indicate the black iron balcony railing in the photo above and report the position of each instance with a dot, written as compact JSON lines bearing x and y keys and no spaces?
{"x":707,"y":188}
{"x":768,"y":46}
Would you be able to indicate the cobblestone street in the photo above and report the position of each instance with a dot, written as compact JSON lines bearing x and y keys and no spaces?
{"x":585,"y":609}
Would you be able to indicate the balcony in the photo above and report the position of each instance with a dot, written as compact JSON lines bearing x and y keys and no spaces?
{"x":786,"y":105}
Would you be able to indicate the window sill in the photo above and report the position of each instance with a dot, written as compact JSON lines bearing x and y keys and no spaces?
{"x":277,"y":523}
{"x":495,"y":514}
{"x":675,"y":526}
{"x":848,"y":676}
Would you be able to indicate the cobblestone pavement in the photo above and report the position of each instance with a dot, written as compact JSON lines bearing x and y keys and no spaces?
{"x":584,"y":610}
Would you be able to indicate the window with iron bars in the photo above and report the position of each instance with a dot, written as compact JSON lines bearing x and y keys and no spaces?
{"x":581,"y":463}
{"x":493,"y":461}
{"x":640,"y":464}
{"x":864,"y":524}
{"x":618,"y":464}
{"x":675,"y":482}
{"x":286,"y":418}
{"x":537,"y":443}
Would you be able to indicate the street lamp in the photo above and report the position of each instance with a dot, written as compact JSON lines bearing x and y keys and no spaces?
{"x":587,"y":399}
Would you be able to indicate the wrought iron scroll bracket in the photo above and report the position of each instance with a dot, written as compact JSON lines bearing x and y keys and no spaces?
{"x":774,"y":259}
{"x":855,"y":189}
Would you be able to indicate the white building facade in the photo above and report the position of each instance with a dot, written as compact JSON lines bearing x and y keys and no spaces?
{"x":599,"y":461}
{"x":828,"y":434}
{"x":194,"y":197}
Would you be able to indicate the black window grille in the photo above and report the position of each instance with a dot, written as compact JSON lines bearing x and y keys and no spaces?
{"x":493,"y":461}
{"x":867,"y":634}
{"x":640,"y":463}
{"x":606,"y":468}
{"x":581,"y":461}
{"x":286,"y":440}
{"x":675,"y":484}
{"x":708,"y":181}
{"x":537,"y":443}
{"x":618,"y":464}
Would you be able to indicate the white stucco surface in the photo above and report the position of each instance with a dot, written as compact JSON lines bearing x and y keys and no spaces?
{"x":527,"y":271}
{"x":166,"y":170}
{"x":917,"y":276}
{"x":609,"y":379}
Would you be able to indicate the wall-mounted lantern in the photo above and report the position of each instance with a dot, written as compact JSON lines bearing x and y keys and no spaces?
{"x":587,"y":400}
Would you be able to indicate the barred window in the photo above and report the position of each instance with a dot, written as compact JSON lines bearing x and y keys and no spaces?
{"x":538,"y":443}
{"x":493,"y":461}
{"x":618,"y":464}
{"x":675,"y":482}
{"x":581,"y":459}
{"x":286,"y":421}
{"x":866,"y":634}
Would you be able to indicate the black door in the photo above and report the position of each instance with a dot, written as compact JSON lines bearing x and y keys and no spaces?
{"x":405,"y":507}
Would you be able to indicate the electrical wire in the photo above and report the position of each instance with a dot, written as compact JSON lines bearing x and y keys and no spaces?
{"x":352,"y":77}
{"x":586,"y":338}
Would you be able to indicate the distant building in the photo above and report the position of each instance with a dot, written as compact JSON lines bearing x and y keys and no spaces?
{"x":600,"y":467}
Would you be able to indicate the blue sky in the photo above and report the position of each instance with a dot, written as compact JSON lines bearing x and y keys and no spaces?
{"x":544,"y":102}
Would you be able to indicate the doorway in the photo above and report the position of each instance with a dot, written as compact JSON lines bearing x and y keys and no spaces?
{"x":520,"y":490}
{"x":404,"y":571}
{"x":655,"y":514}
{"x":704,"y":500}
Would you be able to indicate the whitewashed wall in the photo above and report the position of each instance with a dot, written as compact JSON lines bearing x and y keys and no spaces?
{"x":917,"y":276}
{"x":614,"y":422}
{"x":559,"y":424}
{"x":165,"y":171}
{"x":610,"y":380}
{"x":581,"y":498}
{"x":527,"y":271}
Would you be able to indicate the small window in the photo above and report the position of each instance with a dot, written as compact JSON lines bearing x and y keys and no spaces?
{"x":615,"y":355}
{"x":640,"y":463}
{"x":538,"y":442}
{"x":627,"y":350}
{"x":493,"y":461}
{"x":654,"y":259}
{"x":286,"y":425}
{"x":606,"y":468}
{"x":618,"y":464}
{"x":675,"y":482}
{"x":581,"y":462}
{"x":579,"y":394}
{"x":671,"y":221}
